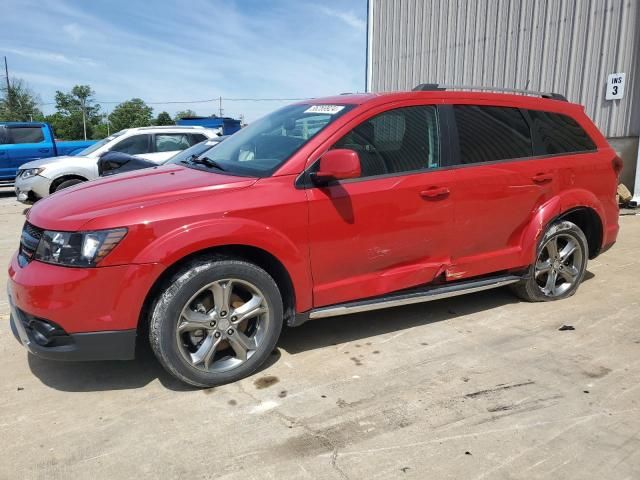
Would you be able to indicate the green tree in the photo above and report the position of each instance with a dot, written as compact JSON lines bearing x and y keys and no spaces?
{"x":129,"y":114}
{"x":77,"y":113}
{"x":164,"y":118}
{"x":19,"y":104}
{"x":185,"y":113}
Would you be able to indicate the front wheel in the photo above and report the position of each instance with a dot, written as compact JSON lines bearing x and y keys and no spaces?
{"x":561,"y":262}
{"x":216,"y":322}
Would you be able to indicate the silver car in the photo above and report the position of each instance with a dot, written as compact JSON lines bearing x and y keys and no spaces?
{"x":37,"y":179}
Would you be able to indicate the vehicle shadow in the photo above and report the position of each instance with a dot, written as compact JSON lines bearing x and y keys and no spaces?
{"x":116,"y":375}
{"x":102,"y":376}
{"x":358,"y":327}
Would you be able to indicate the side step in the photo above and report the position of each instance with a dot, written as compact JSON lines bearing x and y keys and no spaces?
{"x":427,"y":294}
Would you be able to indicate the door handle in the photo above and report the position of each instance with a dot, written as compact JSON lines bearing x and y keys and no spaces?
{"x":43,"y":150}
{"x":542,"y":177}
{"x":435,"y":192}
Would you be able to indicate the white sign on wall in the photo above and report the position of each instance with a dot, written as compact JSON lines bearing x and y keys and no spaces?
{"x":615,"y":86}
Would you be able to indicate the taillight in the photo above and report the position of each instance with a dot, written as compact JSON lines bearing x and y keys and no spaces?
{"x":617,"y":165}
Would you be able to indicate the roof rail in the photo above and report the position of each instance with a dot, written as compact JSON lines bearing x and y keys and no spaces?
{"x":424,"y":87}
{"x":171,"y":127}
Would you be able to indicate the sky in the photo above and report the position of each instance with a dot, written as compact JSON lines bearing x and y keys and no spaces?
{"x":164,"y":51}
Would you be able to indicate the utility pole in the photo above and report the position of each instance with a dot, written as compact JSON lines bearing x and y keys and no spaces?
{"x":84,"y":118}
{"x":6,"y":73}
{"x":220,"y":107}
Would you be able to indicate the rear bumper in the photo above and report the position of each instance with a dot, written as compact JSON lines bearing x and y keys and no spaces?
{"x":59,"y":345}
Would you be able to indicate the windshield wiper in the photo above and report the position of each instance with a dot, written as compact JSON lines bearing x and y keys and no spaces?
{"x":206,"y":161}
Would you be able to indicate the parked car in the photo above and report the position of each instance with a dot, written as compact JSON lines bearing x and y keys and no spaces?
{"x":38,"y":179}
{"x":112,"y":163}
{"x":22,"y":142}
{"x":228,"y":125}
{"x":326,"y":207}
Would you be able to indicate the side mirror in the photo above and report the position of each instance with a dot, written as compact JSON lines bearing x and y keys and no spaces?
{"x":339,"y":164}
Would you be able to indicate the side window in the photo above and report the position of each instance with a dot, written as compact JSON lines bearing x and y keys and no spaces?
{"x":26,"y":135}
{"x":197,"y":138}
{"x":134,"y":145}
{"x":558,"y":133}
{"x":487,"y":134}
{"x":400,"y":140}
{"x":4,"y":136}
{"x":171,"y":142}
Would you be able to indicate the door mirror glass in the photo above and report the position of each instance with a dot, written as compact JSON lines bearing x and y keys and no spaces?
{"x":338,"y":164}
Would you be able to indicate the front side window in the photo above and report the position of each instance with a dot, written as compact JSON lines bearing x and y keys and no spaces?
{"x":487,"y":134}
{"x":266,"y":144}
{"x":134,"y":145}
{"x":557,"y":134}
{"x":26,"y":135}
{"x":171,"y":142}
{"x":101,"y":143}
{"x":396,"y":141}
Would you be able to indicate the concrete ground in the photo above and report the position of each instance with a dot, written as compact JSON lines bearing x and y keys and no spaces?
{"x":482,"y":386}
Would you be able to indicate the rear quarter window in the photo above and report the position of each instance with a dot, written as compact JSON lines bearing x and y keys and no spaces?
{"x":26,"y":135}
{"x":557,"y":134}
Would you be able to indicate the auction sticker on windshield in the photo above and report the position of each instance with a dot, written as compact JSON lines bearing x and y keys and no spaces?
{"x":328,"y":109}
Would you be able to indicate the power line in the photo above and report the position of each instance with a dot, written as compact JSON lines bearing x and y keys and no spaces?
{"x":209,"y":100}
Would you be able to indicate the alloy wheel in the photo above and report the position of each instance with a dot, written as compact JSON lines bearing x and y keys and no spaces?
{"x":559,"y":265}
{"x":222,"y":325}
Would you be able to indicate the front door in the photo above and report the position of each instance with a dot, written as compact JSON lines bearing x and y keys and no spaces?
{"x":387,"y":230}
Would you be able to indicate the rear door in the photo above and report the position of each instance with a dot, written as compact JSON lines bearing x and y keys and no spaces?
{"x":389,"y":229}
{"x":498,"y":185}
{"x":25,"y":143}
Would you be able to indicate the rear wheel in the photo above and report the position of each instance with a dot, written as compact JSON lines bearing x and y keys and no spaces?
{"x":561,"y":263}
{"x":216,"y":322}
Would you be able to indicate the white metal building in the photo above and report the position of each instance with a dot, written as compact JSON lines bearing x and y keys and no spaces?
{"x":565,"y":46}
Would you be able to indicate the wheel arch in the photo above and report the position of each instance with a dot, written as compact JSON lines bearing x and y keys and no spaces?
{"x":258,"y":256}
{"x":579,"y":207}
{"x":63,"y":178}
{"x":588,"y":220}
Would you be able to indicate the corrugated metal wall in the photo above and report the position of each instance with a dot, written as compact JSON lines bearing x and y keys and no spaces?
{"x":564,"y":46}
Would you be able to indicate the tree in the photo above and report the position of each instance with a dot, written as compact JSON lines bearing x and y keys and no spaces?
{"x":19,"y":104}
{"x":77,"y":114}
{"x":130,"y":114}
{"x":164,"y":119}
{"x":185,"y":113}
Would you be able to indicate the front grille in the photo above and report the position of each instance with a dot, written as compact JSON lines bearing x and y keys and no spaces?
{"x":29,"y":241}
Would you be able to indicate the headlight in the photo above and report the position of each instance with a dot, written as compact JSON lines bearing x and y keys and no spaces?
{"x":77,"y":249}
{"x":30,"y":172}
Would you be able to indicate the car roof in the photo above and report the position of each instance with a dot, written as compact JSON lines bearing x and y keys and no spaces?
{"x":445,"y":96}
{"x":178,"y":128}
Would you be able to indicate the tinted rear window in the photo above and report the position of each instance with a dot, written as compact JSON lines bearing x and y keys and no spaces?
{"x":556,"y":134}
{"x":26,"y":135}
{"x":487,"y":134}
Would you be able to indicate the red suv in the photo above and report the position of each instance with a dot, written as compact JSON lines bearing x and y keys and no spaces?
{"x":325,"y":207}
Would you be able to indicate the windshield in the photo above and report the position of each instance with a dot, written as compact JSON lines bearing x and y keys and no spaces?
{"x":99,"y":144}
{"x":262,"y":147}
{"x":197,"y":150}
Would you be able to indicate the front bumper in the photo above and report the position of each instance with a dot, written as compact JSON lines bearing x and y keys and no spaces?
{"x":32,"y":189}
{"x":113,"y":345}
{"x":85,"y":313}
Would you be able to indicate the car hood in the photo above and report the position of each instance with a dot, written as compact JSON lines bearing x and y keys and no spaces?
{"x":130,"y":198}
{"x":58,"y":161}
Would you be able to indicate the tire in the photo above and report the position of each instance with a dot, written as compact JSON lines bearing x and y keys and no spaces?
{"x":194,"y":335}
{"x":68,"y":183}
{"x":539,"y":285}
